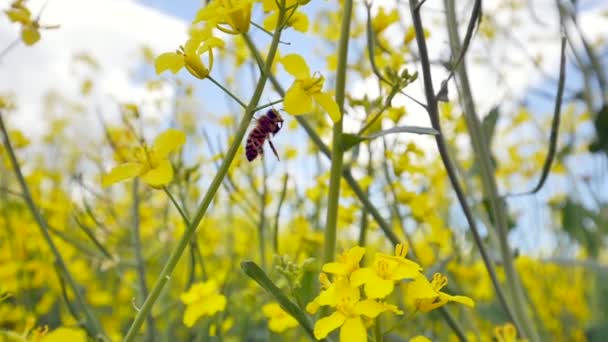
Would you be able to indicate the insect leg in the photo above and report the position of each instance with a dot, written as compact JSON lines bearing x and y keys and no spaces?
{"x":273,"y":149}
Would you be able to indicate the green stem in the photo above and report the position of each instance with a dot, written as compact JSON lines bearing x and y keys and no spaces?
{"x":139,"y":260}
{"x":347,"y":174}
{"x":178,"y":250}
{"x":337,"y":152}
{"x":378,"y":336}
{"x":262,"y":219}
{"x":483,"y":158}
{"x":275,"y":236}
{"x":228,"y":92}
{"x":92,"y":326}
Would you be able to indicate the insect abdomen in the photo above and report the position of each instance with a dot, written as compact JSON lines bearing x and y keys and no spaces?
{"x":254,"y":143}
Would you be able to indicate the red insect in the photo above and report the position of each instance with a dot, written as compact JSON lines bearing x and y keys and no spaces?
{"x":271,"y":122}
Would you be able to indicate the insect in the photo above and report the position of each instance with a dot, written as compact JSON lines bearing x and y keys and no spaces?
{"x":271,"y":122}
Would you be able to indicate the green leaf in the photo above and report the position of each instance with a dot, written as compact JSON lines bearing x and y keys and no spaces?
{"x":350,"y":140}
{"x":259,"y":276}
{"x":489,"y":124}
{"x":404,"y":129}
{"x":600,"y":144}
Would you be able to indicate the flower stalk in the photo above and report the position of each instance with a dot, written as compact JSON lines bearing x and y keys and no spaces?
{"x":165,"y":274}
{"x":92,"y":326}
{"x":337,"y":151}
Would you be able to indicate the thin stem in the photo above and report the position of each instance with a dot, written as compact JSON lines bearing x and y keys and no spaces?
{"x":139,"y":260}
{"x":178,"y":250}
{"x":92,"y":326}
{"x":346,"y":173}
{"x":482,"y":154}
{"x":228,"y":92}
{"x":269,"y":104}
{"x":337,"y":154}
{"x":433,"y":112}
{"x":554,"y":125}
{"x":275,"y":237}
{"x":262,"y":219}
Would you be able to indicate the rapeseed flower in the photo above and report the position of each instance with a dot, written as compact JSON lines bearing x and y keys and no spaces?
{"x":278,"y":319}
{"x":380,"y":279}
{"x":426,"y":296}
{"x":306,"y":88}
{"x":203,"y":299}
{"x":151,"y":163}
{"x":190,"y":55}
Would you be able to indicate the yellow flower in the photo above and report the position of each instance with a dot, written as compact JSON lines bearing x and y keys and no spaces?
{"x":150,"y":163}
{"x":426,"y":296}
{"x":295,"y":18}
{"x":507,"y":333}
{"x":420,"y":338}
{"x":306,"y":88}
{"x":382,"y":20}
{"x":235,"y":14}
{"x":349,"y":313}
{"x":189,"y":56}
{"x":379,"y":280}
{"x":347,"y":262}
{"x":30,"y":28}
{"x":65,"y":334}
{"x":203,"y":299}
{"x":278,"y":319}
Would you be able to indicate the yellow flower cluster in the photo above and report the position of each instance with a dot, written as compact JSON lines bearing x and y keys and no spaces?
{"x":353,"y":314}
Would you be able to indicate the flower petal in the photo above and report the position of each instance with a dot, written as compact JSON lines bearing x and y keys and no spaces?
{"x":160,"y":175}
{"x":326,"y":325}
{"x":296,"y":66}
{"x":30,"y":35}
{"x":327,"y":102}
{"x":297,"y":101}
{"x":377,"y":287}
{"x":353,"y":330}
{"x":167,"y":142}
{"x":361,"y":276}
{"x":370,"y":308}
{"x":121,"y":172}
{"x":169,"y":61}
{"x":462,"y":300}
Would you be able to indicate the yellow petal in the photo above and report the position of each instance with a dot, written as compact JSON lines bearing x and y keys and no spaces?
{"x":121,"y":172}
{"x":192,"y":314}
{"x":160,"y":175}
{"x":370,"y":308}
{"x":30,"y":35}
{"x":419,"y":338}
{"x":297,"y":101}
{"x":377,"y":287}
{"x":462,"y":300}
{"x":353,"y":330}
{"x":326,"y":325}
{"x":405,"y":269}
{"x":65,"y":334}
{"x":167,"y":142}
{"x":313,"y":306}
{"x":210,"y":43}
{"x":270,"y":23}
{"x":420,"y":288}
{"x":169,"y":61}
{"x":334,"y":268}
{"x":19,"y":14}
{"x":299,"y":22}
{"x":361,"y":276}
{"x":327,"y":102}
{"x":296,"y":66}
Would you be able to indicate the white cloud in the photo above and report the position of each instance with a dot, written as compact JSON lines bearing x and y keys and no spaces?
{"x":110,"y":31}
